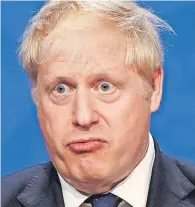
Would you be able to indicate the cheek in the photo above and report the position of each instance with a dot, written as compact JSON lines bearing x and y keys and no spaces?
{"x":123,"y":112}
{"x":137,"y":114}
{"x":54,"y":120}
{"x":128,"y":115}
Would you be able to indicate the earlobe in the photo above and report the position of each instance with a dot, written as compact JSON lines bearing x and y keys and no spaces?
{"x":157,"y":84}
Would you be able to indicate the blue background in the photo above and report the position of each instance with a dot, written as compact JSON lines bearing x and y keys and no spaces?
{"x":173,"y":125}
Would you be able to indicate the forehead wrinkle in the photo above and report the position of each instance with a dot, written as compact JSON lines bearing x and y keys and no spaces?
{"x":89,"y":57}
{"x":107,"y":48}
{"x":55,"y":70}
{"x":51,"y":73}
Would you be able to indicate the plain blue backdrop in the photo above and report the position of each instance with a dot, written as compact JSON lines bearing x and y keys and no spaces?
{"x":173,"y":125}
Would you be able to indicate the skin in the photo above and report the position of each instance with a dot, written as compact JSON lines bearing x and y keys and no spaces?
{"x":119,"y":115}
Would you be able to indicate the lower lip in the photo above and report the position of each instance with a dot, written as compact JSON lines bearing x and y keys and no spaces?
{"x":81,"y":147}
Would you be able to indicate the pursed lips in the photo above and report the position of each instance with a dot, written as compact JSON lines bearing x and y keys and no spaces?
{"x":86,"y":145}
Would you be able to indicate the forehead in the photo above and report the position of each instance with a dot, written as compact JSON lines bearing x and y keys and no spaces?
{"x":89,"y":44}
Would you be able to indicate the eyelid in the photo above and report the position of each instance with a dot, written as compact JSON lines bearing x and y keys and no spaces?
{"x":61,"y":80}
{"x":59,"y":83}
{"x":106,"y":82}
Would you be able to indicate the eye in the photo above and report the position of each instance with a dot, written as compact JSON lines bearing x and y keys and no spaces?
{"x":105,"y":87}
{"x":61,"y":89}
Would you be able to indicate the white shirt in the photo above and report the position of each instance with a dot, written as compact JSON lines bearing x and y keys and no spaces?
{"x":134,"y":189}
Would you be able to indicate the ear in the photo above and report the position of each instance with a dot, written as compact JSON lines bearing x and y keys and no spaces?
{"x":157,"y":84}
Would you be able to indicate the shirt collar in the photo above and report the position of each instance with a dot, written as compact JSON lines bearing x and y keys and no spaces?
{"x":72,"y":197}
{"x":134,"y":189}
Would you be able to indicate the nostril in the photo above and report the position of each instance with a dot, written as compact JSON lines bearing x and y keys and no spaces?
{"x":83,"y":126}
{"x":77,"y":124}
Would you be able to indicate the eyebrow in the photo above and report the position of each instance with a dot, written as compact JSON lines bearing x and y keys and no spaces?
{"x":100,"y":76}
{"x":95,"y":77}
{"x":59,"y":79}
{"x":108,"y":77}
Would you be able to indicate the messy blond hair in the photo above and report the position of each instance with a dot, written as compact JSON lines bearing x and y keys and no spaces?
{"x":139,"y":26}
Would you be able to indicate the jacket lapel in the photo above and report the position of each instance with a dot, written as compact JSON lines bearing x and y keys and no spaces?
{"x":168,"y":186}
{"x":44,"y":190}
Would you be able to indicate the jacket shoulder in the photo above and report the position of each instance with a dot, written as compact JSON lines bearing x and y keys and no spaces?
{"x":21,"y":177}
{"x":181,"y":178}
{"x":12,"y":185}
{"x":186,"y":168}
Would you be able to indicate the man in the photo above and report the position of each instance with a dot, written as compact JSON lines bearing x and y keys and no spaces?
{"x":96,"y":73}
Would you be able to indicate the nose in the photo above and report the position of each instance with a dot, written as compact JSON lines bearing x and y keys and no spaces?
{"x":84,"y":114}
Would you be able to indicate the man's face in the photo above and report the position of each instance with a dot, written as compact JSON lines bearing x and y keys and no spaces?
{"x":92,"y":111}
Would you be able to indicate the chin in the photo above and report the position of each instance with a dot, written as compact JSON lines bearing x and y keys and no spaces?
{"x":89,"y":176}
{"x":93,"y":186}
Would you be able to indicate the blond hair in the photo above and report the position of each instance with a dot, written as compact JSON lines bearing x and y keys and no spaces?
{"x":140,"y":26}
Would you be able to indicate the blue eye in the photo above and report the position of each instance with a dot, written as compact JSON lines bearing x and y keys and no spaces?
{"x":61,"y":88}
{"x":105,"y":86}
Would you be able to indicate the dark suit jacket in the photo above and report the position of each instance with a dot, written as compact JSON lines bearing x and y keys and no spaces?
{"x":172,"y":185}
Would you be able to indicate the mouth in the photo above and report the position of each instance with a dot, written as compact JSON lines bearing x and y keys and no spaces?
{"x":86,"y":145}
